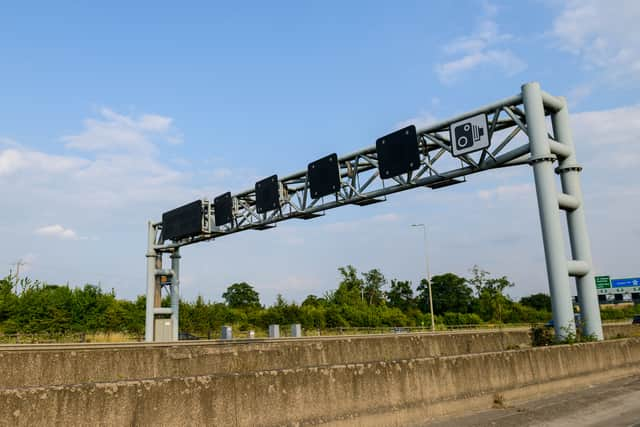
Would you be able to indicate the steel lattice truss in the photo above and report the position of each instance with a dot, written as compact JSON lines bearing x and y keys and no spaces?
{"x":360,"y":178}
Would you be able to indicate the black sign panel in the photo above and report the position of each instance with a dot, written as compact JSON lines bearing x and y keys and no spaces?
{"x":398,"y":152}
{"x":324,"y":176}
{"x":185,"y":221}
{"x":267,"y":194}
{"x":223,"y":209}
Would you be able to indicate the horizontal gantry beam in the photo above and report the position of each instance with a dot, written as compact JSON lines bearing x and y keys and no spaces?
{"x":360,"y":180}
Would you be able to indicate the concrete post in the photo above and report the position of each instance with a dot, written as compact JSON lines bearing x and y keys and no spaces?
{"x":274,"y":331}
{"x":151,"y":282}
{"x":175,"y":293}
{"x":569,"y":171}
{"x":227,"y":333}
{"x":296,"y":330}
{"x":552,"y":237}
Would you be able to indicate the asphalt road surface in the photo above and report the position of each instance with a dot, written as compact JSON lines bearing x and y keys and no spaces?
{"x":614,"y":404}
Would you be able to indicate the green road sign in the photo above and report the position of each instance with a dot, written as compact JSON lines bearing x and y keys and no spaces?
{"x":603,"y":282}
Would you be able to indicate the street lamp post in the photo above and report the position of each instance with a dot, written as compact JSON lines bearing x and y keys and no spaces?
{"x":426,"y":258}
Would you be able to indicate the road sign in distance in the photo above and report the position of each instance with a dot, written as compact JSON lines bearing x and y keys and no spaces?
{"x":185,"y":221}
{"x":603,"y":282}
{"x":398,"y":152}
{"x":267,"y":194}
{"x":624,"y":283}
{"x":469,"y":135}
{"x":223,"y":209}
{"x":324,"y":176}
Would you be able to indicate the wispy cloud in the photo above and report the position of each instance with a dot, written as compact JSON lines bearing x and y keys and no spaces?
{"x":481,"y":48}
{"x":605,"y":35}
{"x":610,"y":135}
{"x":57,"y":231}
{"x":112,"y":131}
{"x":506,"y":192}
{"x":348,"y":226}
{"x":422,"y":120}
{"x":14,"y":160}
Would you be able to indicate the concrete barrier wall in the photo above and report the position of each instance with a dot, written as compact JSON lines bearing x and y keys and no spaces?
{"x":382,"y":393}
{"x":91,"y":363}
{"x":22,"y":366}
{"x":620,"y":330}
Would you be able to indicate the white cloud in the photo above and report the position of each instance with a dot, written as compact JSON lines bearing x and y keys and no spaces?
{"x":420,"y":121}
{"x":57,"y":231}
{"x":14,"y":160}
{"x":608,"y":127}
{"x":506,"y":192}
{"x":604,"y":34}
{"x":610,"y":136}
{"x":479,"y":49}
{"x":510,"y":64}
{"x":355,"y":225}
{"x":293,"y":283}
{"x":116,"y":132}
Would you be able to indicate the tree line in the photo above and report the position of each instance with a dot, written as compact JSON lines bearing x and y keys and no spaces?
{"x":364,"y":299}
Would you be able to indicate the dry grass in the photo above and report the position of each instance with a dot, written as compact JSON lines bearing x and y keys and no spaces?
{"x":104,"y":337}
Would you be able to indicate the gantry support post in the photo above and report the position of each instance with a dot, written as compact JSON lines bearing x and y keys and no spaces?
{"x":152,"y":257}
{"x":552,"y":237}
{"x":569,"y":171}
{"x":175,"y":292}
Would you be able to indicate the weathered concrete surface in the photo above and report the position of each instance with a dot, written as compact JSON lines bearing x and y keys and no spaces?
{"x":620,"y":330}
{"x":378,"y":393}
{"x":612,"y":404}
{"x":74,"y":364}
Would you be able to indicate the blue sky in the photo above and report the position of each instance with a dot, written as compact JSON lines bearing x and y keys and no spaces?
{"x":112,"y":114}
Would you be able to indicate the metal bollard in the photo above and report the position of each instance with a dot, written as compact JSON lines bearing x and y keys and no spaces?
{"x":227,"y":334}
{"x":296,"y":330}
{"x":274,"y":331}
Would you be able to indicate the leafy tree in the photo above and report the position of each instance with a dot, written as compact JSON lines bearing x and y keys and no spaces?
{"x":312,"y":301}
{"x":400,"y":295}
{"x":537,"y":301}
{"x":350,"y":290}
{"x":241,"y":295}
{"x":450,"y":294}
{"x":374,"y":281}
{"x":490,"y":292}
{"x":8,"y":299}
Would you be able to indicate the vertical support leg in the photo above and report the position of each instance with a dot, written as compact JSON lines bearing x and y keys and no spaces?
{"x":569,"y":171}
{"x":175,"y":292}
{"x":151,"y":283}
{"x":157,"y":297}
{"x":556,"y":259}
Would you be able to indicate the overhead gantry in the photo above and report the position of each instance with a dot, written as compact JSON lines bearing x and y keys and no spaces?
{"x":507,"y":133}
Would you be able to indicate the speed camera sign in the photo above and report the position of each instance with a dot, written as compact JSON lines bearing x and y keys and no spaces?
{"x":469,"y":135}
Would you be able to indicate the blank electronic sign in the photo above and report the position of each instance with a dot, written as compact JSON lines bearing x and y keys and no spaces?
{"x":398,"y":152}
{"x":223,"y":209}
{"x":185,"y":221}
{"x":267,"y":194}
{"x":324,"y":176}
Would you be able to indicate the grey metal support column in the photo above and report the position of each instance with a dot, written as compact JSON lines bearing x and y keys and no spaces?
{"x":151,"y":282}
{"x":552,"y":237}
{"x":569,"y":171}
{"x":175,"y":292}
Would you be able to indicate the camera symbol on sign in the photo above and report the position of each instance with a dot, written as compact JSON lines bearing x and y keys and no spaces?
{"x":467,"y":135}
